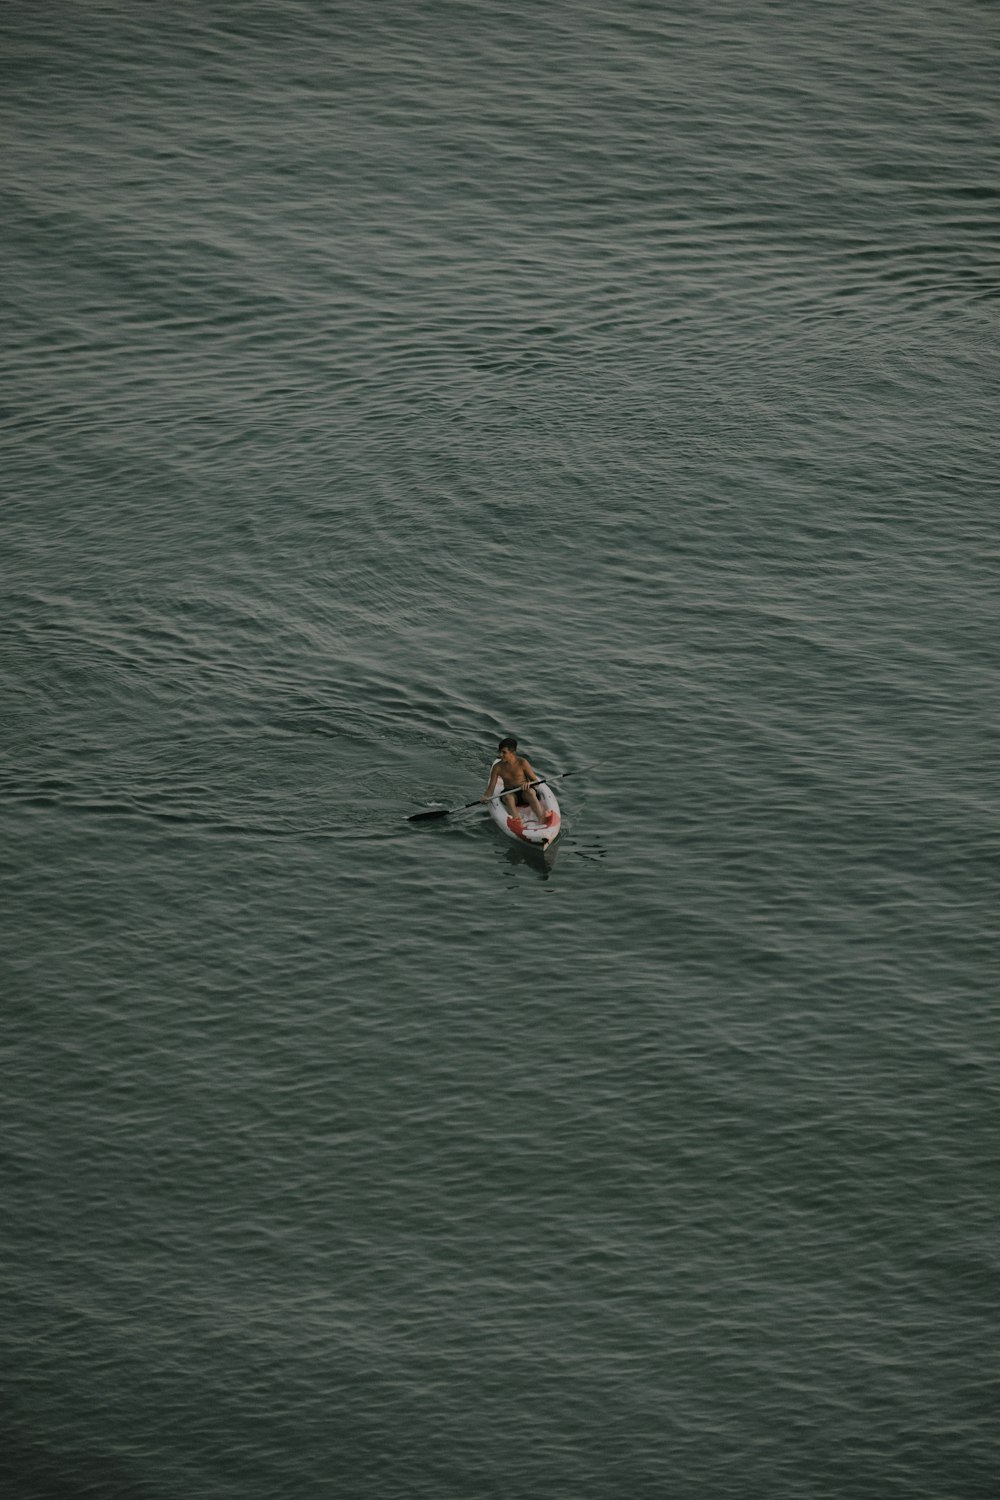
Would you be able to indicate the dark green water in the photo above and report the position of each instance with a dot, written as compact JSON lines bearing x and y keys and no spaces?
{"x":377,"y":381}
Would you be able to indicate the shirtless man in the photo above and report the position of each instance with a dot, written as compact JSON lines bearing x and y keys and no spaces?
{"x":514,"y":771}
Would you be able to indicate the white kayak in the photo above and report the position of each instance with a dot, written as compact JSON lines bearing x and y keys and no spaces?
{"x":525,"y":827}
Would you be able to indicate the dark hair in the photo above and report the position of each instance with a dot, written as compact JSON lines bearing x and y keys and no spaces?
{"x":510,"y":743}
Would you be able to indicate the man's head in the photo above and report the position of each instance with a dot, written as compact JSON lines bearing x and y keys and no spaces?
{"x":508,"y":746}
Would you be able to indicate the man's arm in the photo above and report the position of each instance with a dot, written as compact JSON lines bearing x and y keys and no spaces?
{"x":494,"y":778}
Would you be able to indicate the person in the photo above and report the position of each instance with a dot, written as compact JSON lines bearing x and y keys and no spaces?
{"x":516,"y":771}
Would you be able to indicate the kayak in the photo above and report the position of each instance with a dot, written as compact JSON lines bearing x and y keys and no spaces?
{"x":526,"y":829}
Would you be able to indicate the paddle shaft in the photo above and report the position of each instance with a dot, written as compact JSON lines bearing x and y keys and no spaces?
{"x":445,"y":812}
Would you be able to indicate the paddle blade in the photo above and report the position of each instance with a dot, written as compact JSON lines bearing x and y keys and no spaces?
{"x":434,"y":812}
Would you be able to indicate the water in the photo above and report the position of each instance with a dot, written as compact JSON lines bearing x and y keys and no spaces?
{"x":376,"y":384}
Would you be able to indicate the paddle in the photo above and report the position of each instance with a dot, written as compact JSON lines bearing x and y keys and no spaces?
{"x":446,"y":812}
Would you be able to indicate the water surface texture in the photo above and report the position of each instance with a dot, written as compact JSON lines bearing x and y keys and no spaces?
{"x":378,"y":380}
